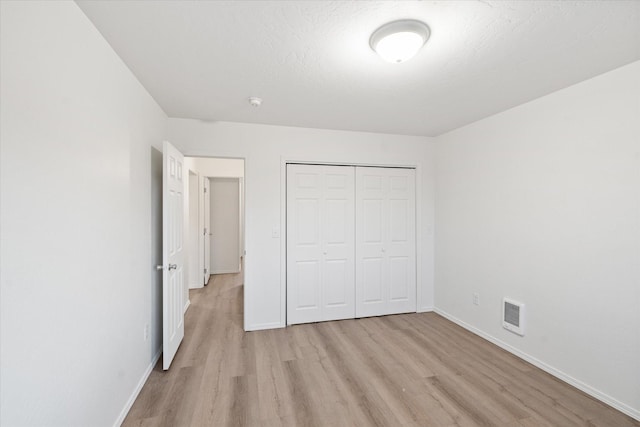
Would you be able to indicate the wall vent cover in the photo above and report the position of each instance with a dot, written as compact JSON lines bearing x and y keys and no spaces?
{"x":513,"y":316}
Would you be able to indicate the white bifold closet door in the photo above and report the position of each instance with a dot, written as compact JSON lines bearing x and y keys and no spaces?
{"x":385,"y":241}
{"x":320,"y":243}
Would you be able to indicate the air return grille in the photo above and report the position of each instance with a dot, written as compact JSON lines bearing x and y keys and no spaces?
{"x":513,"y":316}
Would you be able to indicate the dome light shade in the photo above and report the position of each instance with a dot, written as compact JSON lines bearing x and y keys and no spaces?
{"x":399,"y":41}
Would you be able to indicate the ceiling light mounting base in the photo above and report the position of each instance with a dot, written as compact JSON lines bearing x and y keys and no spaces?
{"x":255,"y":102}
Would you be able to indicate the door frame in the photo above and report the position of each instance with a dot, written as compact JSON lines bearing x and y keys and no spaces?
{"x":198,"y":258}
{"x":199,"y":154}
{"x":284,"y":160}
{"x":205,"y":228}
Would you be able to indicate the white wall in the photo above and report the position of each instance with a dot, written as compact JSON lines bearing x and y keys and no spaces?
{"x":265,"y":148}
{"x":80,"y":187}
{"x":225,"y":225}
{"x":541,"y":203}
{"x":222,"y":168}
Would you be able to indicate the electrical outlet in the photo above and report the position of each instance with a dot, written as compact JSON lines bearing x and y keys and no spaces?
{"x":476,"y":298}
{"x":146,"y":332}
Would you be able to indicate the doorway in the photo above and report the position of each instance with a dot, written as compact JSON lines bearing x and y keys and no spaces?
{"x":215,"y":218}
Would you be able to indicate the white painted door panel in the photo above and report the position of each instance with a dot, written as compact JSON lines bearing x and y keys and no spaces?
{"x":173,"y":271}
{"x":320,"y":243}
{"x":304,"y":247}
{"x":385,"y":241}
{"x":338,"y":234}
{"x":194,"y":259}
{"x":206,"y":229}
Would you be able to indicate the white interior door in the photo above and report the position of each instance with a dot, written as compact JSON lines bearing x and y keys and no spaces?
{"x":194,"y":261}
{"x":385,"y":236}
{"x":225,"y":225}
{"x":320,"y":243}
{"x":206,"y":228}
{"x":173,"y":271}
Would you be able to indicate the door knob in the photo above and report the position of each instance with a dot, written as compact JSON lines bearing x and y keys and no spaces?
{"x":159,"y":267}
{"x":172,"y":266}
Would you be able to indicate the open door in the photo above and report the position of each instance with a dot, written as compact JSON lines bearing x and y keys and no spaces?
{"x":173,"y":254}
{"x":206,"y":203}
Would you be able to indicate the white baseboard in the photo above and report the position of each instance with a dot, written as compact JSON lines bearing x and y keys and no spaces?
{"x":622,"y":407}
{"x":263,"y":326}
{"x":188,"y":303}
{"x":226,"y":271}
{"x":425,"y":309}
{"x":136,"y":391}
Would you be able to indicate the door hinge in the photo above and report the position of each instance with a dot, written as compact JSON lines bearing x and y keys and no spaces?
{"x":205,"y":231}
{"x":205,"y":271}
{"x":205,"y":189}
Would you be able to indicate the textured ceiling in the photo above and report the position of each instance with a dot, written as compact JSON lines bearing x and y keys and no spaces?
{"x":312,"y":65}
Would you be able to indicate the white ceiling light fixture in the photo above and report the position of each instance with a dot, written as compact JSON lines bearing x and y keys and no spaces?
{"x":399,"y":41}
{"x":255,"y":102}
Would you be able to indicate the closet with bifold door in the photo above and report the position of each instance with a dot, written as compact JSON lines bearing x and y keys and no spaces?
{"x":351,"y":247}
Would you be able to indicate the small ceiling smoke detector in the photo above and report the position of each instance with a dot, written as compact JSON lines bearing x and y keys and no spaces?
{"x":255,"y":101}
{"x":399,"y":41}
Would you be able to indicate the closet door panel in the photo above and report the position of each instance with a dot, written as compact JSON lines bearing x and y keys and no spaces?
{"x":372,"y":221}
{"x":398,"y":220}
{"x":338,"y":243}
{"x":336,"y":283}
{"x":371,"y":268}
{"x":320,"y":243}
{"x":306,"y":275}
{"x":401,"y":244}
{"x":307,"y":216}
{"x":372,"y":275}
{"x":385,"y":241}
{"x":304,"y":245}
{"x":399,"y":269}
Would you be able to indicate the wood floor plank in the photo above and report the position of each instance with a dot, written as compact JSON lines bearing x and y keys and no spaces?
{"x":401,"y":370}
{"x":275,"y":398}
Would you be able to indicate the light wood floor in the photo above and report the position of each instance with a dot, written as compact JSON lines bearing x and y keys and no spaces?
{"x":403,"y":370}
